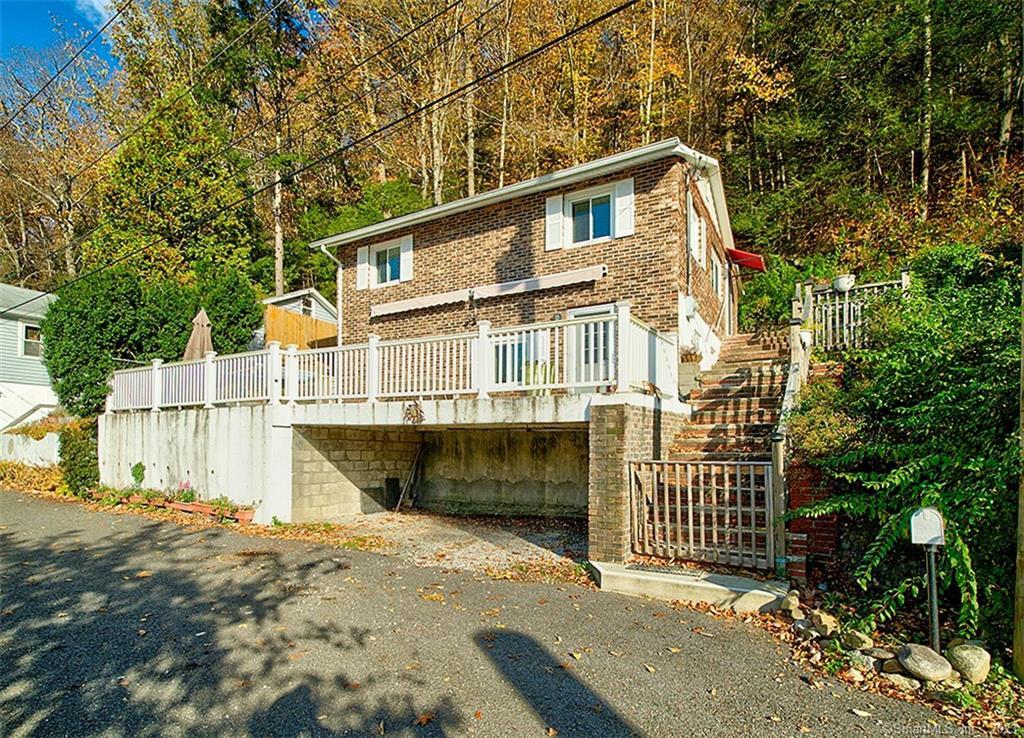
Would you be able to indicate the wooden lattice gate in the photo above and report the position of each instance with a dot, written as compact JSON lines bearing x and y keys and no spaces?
{"x":713,"y":511}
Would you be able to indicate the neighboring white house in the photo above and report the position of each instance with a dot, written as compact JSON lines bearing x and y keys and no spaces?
{"x":25,"y":392}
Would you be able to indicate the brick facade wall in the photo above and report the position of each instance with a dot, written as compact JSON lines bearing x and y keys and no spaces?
{"x":620,"y":433}
{"x":333,"y":467}
{"x":505,"y":241}
{"x":811,"y":543}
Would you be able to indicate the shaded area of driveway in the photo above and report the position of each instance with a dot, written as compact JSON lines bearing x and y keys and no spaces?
{"x":122,"y":626}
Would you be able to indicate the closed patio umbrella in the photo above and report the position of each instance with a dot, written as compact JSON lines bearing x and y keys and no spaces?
{"x":200,"y":341}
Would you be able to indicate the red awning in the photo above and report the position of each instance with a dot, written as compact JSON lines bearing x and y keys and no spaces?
{"x":745,"y":259}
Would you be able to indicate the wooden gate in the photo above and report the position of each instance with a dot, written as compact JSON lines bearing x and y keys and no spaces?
{"x":713,"y":511}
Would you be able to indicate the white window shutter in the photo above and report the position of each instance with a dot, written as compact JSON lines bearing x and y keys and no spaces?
{"x":553,"y":226}
{"x":406,"y":268}
{"x":363,"y":268}
{"x":624,"y":209}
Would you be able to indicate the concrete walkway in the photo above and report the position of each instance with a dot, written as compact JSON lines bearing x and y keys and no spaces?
{"x":117,"y":625}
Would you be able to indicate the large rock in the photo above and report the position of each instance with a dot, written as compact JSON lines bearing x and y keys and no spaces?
{"x":882,"y":654}
{"x":923,"y":663}
{"x":907,"y":684}
{"x":790,"y":602}
{"x":972,"y":662}
{"x":855,"y":640}
{"x":892,"y":666}
{"x":824,"y":623}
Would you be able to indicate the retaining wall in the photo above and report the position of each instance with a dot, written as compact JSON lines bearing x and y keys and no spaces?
{"x":25,"y":450}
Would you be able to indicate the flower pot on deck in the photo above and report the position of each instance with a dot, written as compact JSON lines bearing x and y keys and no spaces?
{"x":844,"y":282}
{"x":180,"y":506}
{"x":243,"y":516}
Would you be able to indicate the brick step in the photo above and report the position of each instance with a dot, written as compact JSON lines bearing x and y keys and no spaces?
{"x":734,"y":391}
{"x":763,"y":385}
{"x":739,"y":371}
{"x":719,"y":456}
{"x":721,"y":443}
{"x":734,"y":356}
{"x":737,"y":416}
{"x":722,"y":430}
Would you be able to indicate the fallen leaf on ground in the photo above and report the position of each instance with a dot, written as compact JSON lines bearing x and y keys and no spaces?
{"x":143,"y":574}
{"x":650,"y":668}
{"x":552,"y":731}
{"x":576,"y":655}
{"x":425,"y":718}
{"x":860,"y":713}
{"x":674,"y":649}
{"x":478,"y":715}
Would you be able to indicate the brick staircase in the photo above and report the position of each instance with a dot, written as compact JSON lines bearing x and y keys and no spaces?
{"x":738,"y":401}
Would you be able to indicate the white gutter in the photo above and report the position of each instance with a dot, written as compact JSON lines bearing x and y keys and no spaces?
{"x":337,"y":290}
{"x":589,"y":170}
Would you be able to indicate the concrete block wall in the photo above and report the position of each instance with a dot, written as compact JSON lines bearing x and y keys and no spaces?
{"x":335,"y":469}
{"x":620,"y":433}
{"x":505,"y":472}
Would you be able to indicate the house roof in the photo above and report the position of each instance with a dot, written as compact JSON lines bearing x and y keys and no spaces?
{"x":589,"y":170}
{"x":308,"y":292}
{"x":15,"y":302}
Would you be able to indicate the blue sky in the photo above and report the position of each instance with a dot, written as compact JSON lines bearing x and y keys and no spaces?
{"x":30,"y":23}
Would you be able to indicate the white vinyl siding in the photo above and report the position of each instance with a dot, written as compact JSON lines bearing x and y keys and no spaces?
{"x":14,"y":365}
{"x":696,"y":233}
{"x":717,"y":277}
{"x":589,"y":216}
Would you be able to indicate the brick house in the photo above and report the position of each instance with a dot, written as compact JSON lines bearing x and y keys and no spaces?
{"x":649,"y":226}
{"x":515,"y":352}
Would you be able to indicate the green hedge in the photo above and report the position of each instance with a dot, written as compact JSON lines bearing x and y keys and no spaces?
{"x":79,"y":460}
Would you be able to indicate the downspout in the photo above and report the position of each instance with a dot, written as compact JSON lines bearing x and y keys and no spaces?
{"x":337,"y":291}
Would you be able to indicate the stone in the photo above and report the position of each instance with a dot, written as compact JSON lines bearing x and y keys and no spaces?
{"x":825,"y":624}
{"x":853,"y":675}
{"x":971,"y":662}
{"x":955,"y":642}
{"x":855,"y":640}
{"x":952,"y":683}
{"x":923,"y":663}
{"x":797,"y":614}
{"x":804,"y":628}
{"x":892,"y":666}
{"x":905,"y":683}
{"x":790,"y":602}
{"x":862,"y":662}
{"x":881,"y":654}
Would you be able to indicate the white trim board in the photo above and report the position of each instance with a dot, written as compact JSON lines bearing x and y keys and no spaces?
{"x":514,"y":287}
{"x":564,"y":177}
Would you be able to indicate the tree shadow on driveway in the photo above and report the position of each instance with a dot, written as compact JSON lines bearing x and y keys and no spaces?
{"x":559,"y":698}
{"x":153,"y":630}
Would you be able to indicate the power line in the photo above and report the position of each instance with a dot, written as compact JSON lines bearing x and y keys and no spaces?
{"x":64,"y":66}
{"x":288,"y":179}
{"x":83,"y":238}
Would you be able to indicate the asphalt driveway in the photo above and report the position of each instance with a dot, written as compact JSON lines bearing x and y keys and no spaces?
{"x":116,"y":625}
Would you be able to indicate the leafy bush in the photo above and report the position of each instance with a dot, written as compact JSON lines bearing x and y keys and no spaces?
{"x":767,"y":296}
{"x":822,"y":426}
{"x":79,"y":461}
{"x":38,"y":429}
{"x":934,"y":404}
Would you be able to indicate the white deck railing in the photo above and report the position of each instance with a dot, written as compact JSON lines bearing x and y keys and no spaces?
{"x":838,"y":318}
{"x":598,"y":353}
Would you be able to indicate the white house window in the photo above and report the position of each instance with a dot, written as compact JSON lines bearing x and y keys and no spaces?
{"x":31,"y":341}
{"x":717,"y":277}
{"x":387,"y":262}
{"x":591,"y":218}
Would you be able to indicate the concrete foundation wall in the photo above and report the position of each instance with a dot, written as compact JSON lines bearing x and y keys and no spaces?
{"x":505,"y":472}
{"x":26,"y":450}
{"x":342,"y":471}
{"x":242,"y":453}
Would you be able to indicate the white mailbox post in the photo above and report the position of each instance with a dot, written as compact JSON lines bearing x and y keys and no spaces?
{"x":928,"y":529}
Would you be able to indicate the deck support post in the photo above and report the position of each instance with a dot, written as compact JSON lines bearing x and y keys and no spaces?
{"x":157,"y":386}
{"x":622,"y":321}
{"x":209,"y":379}
{"x":274,"y":359}
{"x":483,"y":359}
{"x":778,"y":503}
{"x":372,"y":367}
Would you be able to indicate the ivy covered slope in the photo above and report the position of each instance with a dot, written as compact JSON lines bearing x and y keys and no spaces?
{"x":928,"y":416}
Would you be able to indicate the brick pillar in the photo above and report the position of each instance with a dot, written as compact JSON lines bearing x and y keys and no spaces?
{"x":810,"y":542}
{"x":608,"y":497}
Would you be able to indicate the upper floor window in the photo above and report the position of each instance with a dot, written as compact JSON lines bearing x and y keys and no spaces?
{"x":717,"y":277}
{"x":384,"y":263}
{"x":387,"y":264}
{"x":591,"y":218}
{"x":698,"y":235}
{"x":31,"y":341}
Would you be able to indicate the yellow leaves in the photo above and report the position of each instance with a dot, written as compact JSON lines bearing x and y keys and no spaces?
{"x":144,"y":574}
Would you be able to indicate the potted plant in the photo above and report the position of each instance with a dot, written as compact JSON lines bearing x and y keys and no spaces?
{"x":243,"y":515}
{"x":844,"y":282}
